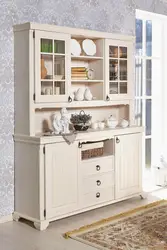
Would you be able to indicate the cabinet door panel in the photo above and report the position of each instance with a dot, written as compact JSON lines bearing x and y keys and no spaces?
{"x":61,"y":178}
{"x":118,"y":69}
{"x":128,"y":164}
{"x":52,"y":66}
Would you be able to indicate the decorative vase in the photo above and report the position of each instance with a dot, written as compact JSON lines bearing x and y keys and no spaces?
{"x":43,"y":69}
{"x":88,"y":95}
{"x":79,"y":95}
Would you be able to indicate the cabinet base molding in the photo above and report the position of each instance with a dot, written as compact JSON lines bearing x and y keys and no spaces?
{"x":6,"y":218}
{"x":143,"y":195}
{"x":16,"y":217}
{"x":42,"y":225}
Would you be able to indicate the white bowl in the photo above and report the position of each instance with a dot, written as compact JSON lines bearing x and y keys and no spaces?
{"x":112,"y":124}
{"x":58,"y":77}
{"x":124,"y":123}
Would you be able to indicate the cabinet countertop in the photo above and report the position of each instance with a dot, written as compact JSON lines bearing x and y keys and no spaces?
{"x":90,"y":134}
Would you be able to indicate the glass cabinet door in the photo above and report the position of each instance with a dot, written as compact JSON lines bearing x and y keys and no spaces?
{"x":117,"y":63}
{"x":51,"y":67}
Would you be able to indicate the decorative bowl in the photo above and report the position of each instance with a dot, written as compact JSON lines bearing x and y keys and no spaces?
{"x":81,"y":127}
{"x":124,"y":123}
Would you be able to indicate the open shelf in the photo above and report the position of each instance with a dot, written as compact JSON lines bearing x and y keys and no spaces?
{"x":100,"y":149}
{"x":86,"y":58}
{"x":85,"y":81}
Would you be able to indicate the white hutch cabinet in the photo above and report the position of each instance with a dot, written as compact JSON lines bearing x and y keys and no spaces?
{"x":52,"y":178}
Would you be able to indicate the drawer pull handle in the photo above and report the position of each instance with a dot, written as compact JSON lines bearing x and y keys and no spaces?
{"x":117,"y":140}
{"x":98,"y":168}
{"x":69,"y":99}
{"x":98,"y":182}
{"x":107,"y":98}
{"x":97,"y":195}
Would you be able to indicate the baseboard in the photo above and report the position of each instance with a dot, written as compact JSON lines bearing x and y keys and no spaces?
{"x":6,"y":218}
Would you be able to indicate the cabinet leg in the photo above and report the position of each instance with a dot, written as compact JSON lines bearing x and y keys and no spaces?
{"x":41,"y":225}
{"x":16,"y":217}
{"x":143,"y":195}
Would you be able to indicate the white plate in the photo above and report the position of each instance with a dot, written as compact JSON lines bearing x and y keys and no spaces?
{"x":75,"y":47}
{"x":89,"y":47}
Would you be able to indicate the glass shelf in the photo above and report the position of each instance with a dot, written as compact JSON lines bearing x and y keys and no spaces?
{"x":118,"y":72}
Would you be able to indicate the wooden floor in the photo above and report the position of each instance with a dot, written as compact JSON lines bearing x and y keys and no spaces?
{"x":22,"y":236}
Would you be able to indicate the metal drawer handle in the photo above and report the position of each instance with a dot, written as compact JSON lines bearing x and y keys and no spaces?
{"x":98,"y":168}
{"x":69,"y":99}
{"x":98,"y":182}
{"x":107,"y":98}
{"x":97,"y":195}
{"x":117,"y":140}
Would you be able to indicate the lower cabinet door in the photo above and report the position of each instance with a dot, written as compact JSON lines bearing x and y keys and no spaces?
{"x":60,"y":178}
{"x":128,"y":165}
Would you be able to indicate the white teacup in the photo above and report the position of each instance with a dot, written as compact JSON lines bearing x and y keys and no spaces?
{"x":94,"y":125}
{"x":48,"y":91}
{"x":101,"y":125}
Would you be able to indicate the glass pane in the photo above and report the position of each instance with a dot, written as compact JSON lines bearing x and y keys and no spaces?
{"x":59,"y":67}
{"x":149,"y":38}
{"x":113,"y":51}
{"x":46,"y":88}
{"x":59,"y":47}
{"x":113,"y":88}
{"x":139,"y":77}
{"x":148,"y":153}
{"x":139,"y":37}
{"x":148,"y":116}
{"x":47,"y":45}
{"x":46,"y":67}
{"x":148,"y":77}
{"x":123,"y":70}
{"x":123,"y":52}
{"x":59,"y":88}
{"x":113,"y":70}
{"x":138,"y":112}
{"x":123,"y":88}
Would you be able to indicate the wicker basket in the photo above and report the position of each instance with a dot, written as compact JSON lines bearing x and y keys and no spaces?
{"x":90,"y":153}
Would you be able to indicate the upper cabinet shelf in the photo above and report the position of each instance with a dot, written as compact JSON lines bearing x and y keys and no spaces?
{"x":86,"y":58}
{"x":66,"y":64}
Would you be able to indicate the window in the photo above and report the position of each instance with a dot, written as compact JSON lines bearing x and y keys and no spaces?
{"x":148,"y":85}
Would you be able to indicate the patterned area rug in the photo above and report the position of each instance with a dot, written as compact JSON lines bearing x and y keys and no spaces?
{"x":143,"y":228}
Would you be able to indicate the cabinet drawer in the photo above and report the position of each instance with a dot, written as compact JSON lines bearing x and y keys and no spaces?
{"x":97,"y":182}
{"x":95,"y":166}
{"x":98,"y":196}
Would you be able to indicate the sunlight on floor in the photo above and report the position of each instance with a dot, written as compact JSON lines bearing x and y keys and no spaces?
{"x":161,"y":194}
{"x":150,"y":187}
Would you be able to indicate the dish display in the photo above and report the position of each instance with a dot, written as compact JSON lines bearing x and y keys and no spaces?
{"x":75,"y":47}
{"x":89,"y":47}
